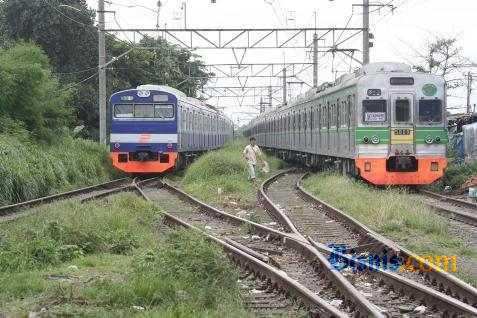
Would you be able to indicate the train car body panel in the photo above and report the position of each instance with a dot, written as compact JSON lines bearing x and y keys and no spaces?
{"x":383,"y":117}
{"x":154,"y":127}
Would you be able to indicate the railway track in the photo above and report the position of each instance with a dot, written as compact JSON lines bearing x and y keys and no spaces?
{"x":321,"y":224}
{"x":451,"y":207}
{"x":14,"y":211}
{"x":289,"y":264}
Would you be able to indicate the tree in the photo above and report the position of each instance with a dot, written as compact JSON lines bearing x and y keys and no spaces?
{"x":30,"y":94}
{"x":443,"y":57}
{"x":69,"y":38}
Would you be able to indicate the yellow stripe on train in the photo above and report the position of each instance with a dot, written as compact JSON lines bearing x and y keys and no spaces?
{"x":402,"y":136}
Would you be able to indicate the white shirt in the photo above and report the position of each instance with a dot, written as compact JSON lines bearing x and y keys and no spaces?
{"x":251,"y":154}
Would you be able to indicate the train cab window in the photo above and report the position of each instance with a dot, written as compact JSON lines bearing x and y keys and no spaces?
{"x":124,"y":111}
{"x":143,"y":111}
{"x":374,"y":111}
{"x":164,"y":111}
{"x":430,"y":111}
{"x":402,"y":110}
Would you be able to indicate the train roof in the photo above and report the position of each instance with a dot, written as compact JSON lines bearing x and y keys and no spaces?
{"x":180,"y":96}
{"x":347,"y":80}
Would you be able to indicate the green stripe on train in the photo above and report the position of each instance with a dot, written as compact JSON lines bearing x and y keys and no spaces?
{"x":381,"y":132}
{"x":424,"y":132}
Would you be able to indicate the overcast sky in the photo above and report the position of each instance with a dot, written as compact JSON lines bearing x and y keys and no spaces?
{"x":399,"y":35}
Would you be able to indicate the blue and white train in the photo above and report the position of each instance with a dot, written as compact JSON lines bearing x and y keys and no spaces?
{"x":155,"y":128}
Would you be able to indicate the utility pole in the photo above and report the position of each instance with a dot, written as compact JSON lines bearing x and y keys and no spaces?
{"x":315,"y":60}
{"x":184,"y":8}
{"x":365,"y":32}
{"x":469,"y":91}
{"x":102,"y":72}
{"x":284,"y":86}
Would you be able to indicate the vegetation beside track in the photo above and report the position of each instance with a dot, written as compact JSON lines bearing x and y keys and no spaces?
{"x":394,"y":213}
{"x":455,"y":176}
{"x":110,"y":258}
{"x":30,"y":170}
{"x":221,"y":176}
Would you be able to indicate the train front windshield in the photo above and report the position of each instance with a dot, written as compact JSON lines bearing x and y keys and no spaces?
{"x":145,"y":111}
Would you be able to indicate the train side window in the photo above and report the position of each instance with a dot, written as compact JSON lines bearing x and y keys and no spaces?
{"x":328,"y":115}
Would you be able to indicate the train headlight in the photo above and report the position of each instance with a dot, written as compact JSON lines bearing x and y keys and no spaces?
{"x":375,"y":140}
{"x":366,"y":140}
{"x":429,"y":140}
{"x":438,"y":139}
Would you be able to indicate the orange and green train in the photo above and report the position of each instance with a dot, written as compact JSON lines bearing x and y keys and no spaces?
{"x":383,"y":123}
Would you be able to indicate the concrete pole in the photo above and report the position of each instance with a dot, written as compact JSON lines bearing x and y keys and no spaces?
{"x":469,"y":91}
{"x":365,"y":32}
{"x":102,"y":72}
{"x":284,"y":86}
{"x":315,"y":60}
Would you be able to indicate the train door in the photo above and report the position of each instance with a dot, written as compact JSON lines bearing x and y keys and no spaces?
{"x":402,"y":124}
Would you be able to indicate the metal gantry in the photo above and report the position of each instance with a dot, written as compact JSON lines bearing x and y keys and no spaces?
{"x":318,"y":41}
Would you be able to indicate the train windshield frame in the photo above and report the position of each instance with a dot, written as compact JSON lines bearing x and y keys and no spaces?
{"x":374,"y":111}
{"x":144,"y":111}
{"x":430,"y":111}
{"x":402,"y":110}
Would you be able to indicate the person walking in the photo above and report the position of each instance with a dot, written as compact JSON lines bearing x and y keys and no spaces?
{"x":250,"y":153}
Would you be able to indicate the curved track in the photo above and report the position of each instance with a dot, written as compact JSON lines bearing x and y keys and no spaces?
{"x":311,"y":278}
{"x":303,"y":214}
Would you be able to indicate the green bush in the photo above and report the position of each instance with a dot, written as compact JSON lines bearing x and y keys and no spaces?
{"x":457,"y":174}
{"x":186,"y":269}
{"x":29,"y":170}
{"x":30,"y":94}
{"x":64,"y":231}
{"x":225,"y":169}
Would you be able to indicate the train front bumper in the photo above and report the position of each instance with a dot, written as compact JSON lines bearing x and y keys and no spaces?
{"x":374,"y":170}
{"x":166,"y":161}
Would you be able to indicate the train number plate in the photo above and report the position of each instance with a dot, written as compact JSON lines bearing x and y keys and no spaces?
{"x":402,"y":132}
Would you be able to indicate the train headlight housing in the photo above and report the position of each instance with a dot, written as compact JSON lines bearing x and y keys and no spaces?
{"x":438,"y":139}
{"x":429,"y":140}
{"x":366,"y":140}
{"x":375,"y":140}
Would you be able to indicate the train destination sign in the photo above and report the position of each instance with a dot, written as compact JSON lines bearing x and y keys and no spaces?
{"x":375,"y":117}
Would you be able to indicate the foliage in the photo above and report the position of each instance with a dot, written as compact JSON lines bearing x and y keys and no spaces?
{"x":224,"y":169}
{"x":29,"y":170}
{"x":457,"y":174}
{"x":30,"y":94}
{"x":443,"y":57}
{"x":52,"y":25}
{"x":177,"y":275}
{"x":63,"y":231}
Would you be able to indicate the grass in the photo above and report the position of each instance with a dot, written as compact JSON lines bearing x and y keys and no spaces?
{"x":222,"y":175}
{"x":107,"y":259}
{"x":29,"y":170}
{"x":392,"y":212}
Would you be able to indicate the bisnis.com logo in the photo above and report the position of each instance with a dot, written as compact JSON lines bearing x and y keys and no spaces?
{"x":343,"y":257}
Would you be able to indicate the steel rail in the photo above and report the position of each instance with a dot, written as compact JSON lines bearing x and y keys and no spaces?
{"x":114,"y":186}
{"x":277,"y":278}
{"x":443,"y":280}
{"x":461,"y":216}
{"x":297,"y":243}
{"x":449,"y":199}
